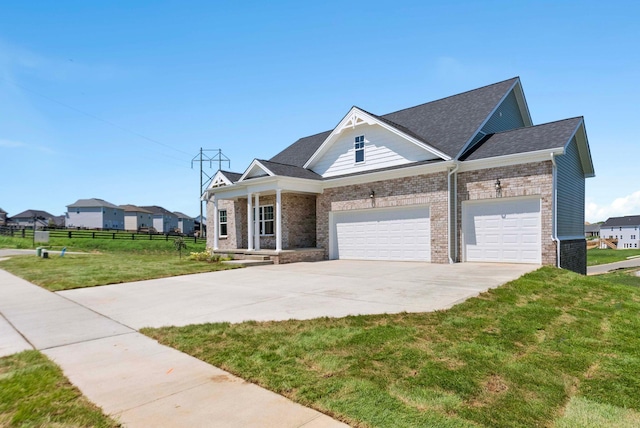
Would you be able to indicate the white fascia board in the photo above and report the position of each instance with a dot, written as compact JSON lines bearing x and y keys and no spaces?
{"x":219,"y":177}
{"x":369,"y":120}
{"x":583,"y":149}
{"x":267,"y":185}
{"x":522,"y":104}
{"x":388,"y":174}
{"x":256,"y":163}
{"x":509,"y":160}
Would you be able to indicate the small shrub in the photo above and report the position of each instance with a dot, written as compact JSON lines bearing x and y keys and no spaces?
{"x":207,"y":256}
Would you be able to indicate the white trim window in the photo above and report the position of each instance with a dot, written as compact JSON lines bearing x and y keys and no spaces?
{"x":266,"y":220}
{"x":358,"y":145}
{"x":222,"y":222}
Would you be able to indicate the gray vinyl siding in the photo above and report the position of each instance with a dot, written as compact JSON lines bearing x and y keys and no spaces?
{"x":507,"y":116}
{"x":571,"y":190}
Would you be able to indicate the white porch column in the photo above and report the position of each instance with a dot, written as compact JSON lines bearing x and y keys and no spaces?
{"x":249,"y":222}
{"x":216,"y":219}
{"x":278,"y":220}
{"x":257,"y":222}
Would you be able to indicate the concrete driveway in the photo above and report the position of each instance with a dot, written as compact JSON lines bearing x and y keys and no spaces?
{"x":294,"y":291}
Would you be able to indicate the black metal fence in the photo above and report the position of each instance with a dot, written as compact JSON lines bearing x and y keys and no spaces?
{"x":95,"y":234}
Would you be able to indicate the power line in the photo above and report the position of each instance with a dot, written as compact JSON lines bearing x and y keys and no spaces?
{"x":77,"y":110}
{"x":201,"y":158}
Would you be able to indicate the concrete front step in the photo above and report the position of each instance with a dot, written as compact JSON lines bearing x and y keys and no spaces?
{"x":248,"y":262}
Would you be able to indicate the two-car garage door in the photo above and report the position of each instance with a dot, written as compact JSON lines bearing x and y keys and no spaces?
{"x":502,"y":230}
{"x":401,"y":233}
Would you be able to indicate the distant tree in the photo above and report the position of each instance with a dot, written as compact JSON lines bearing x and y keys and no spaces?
{"x":179,"y":245}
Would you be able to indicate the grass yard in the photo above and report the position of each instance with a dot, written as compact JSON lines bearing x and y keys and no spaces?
{"x":552,"y":348}
{"x":88,"y":270}
{"x":35,"y":393}
{"x":598,"y":256}
{"x":102,"y":245}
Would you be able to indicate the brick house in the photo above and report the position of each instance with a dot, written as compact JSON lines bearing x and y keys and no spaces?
{"x":467,"y":178}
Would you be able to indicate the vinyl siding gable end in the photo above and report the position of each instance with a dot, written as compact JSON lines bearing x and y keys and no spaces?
{"x":571,"y":193}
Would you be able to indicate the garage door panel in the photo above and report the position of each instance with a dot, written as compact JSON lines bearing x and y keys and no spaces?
{"x":402,"y":233}
{"x":502,"y":231}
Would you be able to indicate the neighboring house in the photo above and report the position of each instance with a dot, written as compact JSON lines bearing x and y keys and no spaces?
{"x":464,"y":178}
{"x":136,"y":217}
{"x":3,"y":217}
{"x":623,"y":229}
{"x":591,"y":230}
{"x":197,"y":222}
{"x":27,"y":218}
{"x":94,"y":213}
{"x":164,"y":221}
{"x":186,"y":224}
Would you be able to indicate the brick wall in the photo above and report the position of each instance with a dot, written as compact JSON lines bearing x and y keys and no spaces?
{"x":573,"y":255}
{"x":428,"y":189}
{"x":230,"y":242}
{"x":298,"y":221}
{"x":532,"y":179}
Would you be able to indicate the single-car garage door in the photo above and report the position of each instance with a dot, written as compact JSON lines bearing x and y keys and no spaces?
{"x":402,"y":233}
{"x":503,"y":230}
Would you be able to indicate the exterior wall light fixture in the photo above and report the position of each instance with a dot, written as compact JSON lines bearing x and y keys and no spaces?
{"x":498,"y":188}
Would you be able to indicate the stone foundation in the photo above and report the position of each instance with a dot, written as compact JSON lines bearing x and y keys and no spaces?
{"x":573,"y":255}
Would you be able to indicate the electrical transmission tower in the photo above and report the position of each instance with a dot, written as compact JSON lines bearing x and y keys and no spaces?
{"x":201,"y":158}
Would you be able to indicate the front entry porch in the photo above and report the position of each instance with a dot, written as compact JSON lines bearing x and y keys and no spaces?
{"x":277,"y":257}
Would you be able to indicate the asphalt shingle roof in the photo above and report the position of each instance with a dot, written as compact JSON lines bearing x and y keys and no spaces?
{"x":232,"y":176}
{"x":32,"y":214}
{"x":134,"y":208}
{"x":529,"y":139}
{"x":155,"y":209}
{"x":290,"y":170}
{"x":93,"y":202}
{"x":446,"y":124}
{"x":630,"y":220}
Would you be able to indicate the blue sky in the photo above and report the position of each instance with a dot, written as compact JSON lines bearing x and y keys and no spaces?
{"x":113,"y":99}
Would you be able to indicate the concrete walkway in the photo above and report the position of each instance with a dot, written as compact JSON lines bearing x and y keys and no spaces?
{"x":133,"y":378}
{"x":334,"y":288}
{"x":600,"y":269}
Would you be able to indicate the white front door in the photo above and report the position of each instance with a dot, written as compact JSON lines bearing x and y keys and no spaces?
{"x":401,"y":233}
{"x":502,"y":230}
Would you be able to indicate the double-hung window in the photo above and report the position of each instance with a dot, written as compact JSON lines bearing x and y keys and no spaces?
{"x":222,"y":222}
{"x":359,"y":148}
{"x":266,"y":220}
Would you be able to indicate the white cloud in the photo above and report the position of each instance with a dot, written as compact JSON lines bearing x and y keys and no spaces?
{"x":11,"y":144}
{"x":626,"y":205}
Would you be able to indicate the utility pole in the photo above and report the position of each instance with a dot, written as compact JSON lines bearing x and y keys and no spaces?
{"x":201,"y":158}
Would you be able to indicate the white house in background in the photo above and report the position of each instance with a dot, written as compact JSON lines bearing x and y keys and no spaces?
{"x":3,"y":217}
{"x":186,"y":224}
{"x":625,"y":229}
{"x":94,"y":213}
{"x":26,"y":219}
{"x":136,"y":217}
{"x":164,"y":221}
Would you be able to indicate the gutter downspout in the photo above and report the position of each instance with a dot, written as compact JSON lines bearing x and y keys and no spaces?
{"x":554,"y":231}
{"x":452,"y":204}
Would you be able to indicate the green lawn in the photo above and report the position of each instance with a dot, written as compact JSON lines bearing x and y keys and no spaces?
{"x":35,"y":393}
{"x":600,"y":257}
{"x":112,"y":245}
{"x":77,"y":271}
{"x":552,"y":348}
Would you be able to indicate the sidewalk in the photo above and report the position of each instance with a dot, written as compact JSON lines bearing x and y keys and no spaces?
{"x":599,"y":269}
{"x":132,"y":377}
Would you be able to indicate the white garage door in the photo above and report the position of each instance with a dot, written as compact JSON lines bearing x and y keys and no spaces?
{"x":502,"y":231}
{"x":402,"y":233}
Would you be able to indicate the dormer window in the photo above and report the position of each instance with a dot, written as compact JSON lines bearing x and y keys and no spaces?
{"x":359,"y":148}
